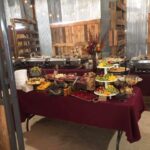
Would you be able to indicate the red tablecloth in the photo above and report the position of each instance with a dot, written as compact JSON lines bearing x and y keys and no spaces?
{"x":110,"y":114}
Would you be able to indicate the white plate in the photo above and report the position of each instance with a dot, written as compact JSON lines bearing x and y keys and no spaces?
{"x":108,"y":67}
{"x":97,"y":93}
{"x":105,"y":81}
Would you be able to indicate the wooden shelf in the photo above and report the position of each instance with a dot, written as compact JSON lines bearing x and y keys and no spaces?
{"x":77,"y":23}
{"x":121,"y":22}
{"x":63,"y":44}
{"x":18,"y":20}
{"x":121,"y":32}
{"x":121,"y":42}
{"x":28,"y":40}
{"x":26,"y":32}
{"x":25,"y":39}
{"x":27,"y":47}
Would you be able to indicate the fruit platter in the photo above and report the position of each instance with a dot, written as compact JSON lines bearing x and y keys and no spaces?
{"x":104,"y":64}
{"x":110,"y":90}
{"x":106,"y":78}
{"x":106,"y":90}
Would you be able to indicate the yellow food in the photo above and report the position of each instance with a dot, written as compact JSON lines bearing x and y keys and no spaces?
{"x":43,"y":85}
{"x":106,"y":77}
{"x":35,"y":81}
{"x":112,"y":78}
{"x":104,"y":63}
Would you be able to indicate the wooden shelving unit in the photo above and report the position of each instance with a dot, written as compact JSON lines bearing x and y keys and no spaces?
{"x":117,"y":35}
{"x":26,"y":39}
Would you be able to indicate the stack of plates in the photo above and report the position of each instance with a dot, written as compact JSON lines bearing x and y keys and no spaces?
{"x":20,"y":78}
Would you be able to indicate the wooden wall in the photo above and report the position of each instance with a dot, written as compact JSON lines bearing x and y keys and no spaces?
{"x":66,"y":36}
{"x":4,"y":138}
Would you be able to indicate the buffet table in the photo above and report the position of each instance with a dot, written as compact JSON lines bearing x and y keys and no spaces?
{"x":111,"y":114}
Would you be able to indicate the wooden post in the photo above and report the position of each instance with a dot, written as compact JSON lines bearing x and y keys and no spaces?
{"x":4,"y":136}
{"x":117,"y":39}
{"x":33,"y":9}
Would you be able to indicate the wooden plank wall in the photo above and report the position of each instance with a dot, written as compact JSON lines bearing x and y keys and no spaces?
{"x":66,"y":36}
{"x":4,"y":138}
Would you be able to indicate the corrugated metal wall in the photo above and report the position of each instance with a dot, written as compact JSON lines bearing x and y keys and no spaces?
{"x":137,"y":11}
{"x":43,"y":26}
{"x":76,"y":10}
{"x":12,"y":11}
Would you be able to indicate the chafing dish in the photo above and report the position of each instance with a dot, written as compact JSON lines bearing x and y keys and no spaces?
{"x":142,"y":65}
{"x":57,"y":61}
{"x":75,"y":61}
{"x":35,"y":59}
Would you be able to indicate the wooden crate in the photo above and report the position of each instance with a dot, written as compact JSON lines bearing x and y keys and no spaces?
{"x":65,"y":37}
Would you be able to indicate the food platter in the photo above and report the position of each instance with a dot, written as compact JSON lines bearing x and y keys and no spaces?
{"x":130,"y":79}
{"x":109,"y":91}
{"x":106,"y":81}
{"x":110,"y":95}
{"x":61,"y":77}
{"x":106,"y":78}
{"x":35,"y":81}
{"x":118,"y":70}
{"x":104,"y":64}
{"x":106,"y":67}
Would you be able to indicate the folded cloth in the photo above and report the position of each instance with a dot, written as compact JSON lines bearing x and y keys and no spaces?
{"x":27,"y":88}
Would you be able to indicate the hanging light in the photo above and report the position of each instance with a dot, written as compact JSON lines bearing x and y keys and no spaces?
{"x":25,"y":1}
{"x":57,"y":16}
{"x":31,"y":6}
{"x":50,"y":15}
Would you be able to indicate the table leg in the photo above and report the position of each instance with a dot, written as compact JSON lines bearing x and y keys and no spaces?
{"x":27,"y":122}
{"x":119,"y":134}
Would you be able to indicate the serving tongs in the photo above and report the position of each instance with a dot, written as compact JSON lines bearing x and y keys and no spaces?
{"x":74,"y":82}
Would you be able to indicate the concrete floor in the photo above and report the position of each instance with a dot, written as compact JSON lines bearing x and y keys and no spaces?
{"x":48,"y":134}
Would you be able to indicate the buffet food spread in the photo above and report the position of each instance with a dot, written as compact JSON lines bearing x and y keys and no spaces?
{"x":105,"y":82}
{"x":96,"y":89}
